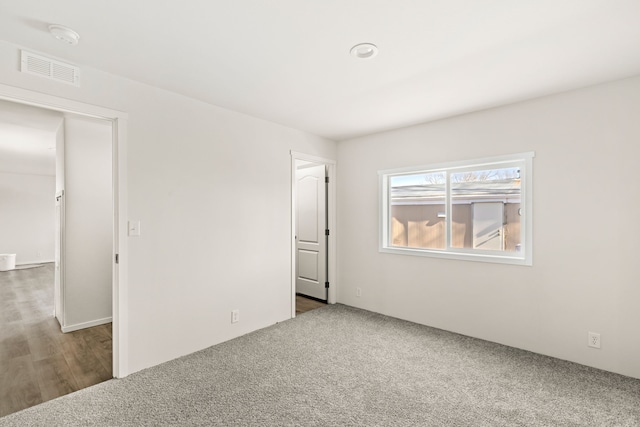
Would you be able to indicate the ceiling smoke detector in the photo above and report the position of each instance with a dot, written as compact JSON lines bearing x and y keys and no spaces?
{"x":64,"y":34}
{"x":364,"y":50}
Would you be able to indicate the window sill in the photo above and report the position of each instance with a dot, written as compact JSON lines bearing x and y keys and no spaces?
{"x":463,"y":256}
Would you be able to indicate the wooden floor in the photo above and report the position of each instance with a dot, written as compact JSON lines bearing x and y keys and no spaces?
{"x":37,"y":361}
{"x":304,"y":304}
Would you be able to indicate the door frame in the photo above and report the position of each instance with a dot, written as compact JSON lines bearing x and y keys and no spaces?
{"x":331,"y":220}
{"x":119,"y":177}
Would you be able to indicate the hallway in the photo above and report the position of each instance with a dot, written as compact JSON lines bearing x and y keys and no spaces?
{"x":37,"y":361}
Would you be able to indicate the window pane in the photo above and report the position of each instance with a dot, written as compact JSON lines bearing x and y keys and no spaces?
{"x":486,"y":209}
{"x":418,"y":210}
{"x":465,"y":210}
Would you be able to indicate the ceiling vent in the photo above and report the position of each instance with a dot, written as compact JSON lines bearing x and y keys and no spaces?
{"x":49,"y":68}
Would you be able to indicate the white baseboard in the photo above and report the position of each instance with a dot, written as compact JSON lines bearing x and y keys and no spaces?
{"x":34,"y":262}
{"x":85,"y":325}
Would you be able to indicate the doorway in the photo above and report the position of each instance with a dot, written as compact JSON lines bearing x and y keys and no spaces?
{"x":313,"y":231}
{"x":46,"y":348}
{"x":118,"y":121}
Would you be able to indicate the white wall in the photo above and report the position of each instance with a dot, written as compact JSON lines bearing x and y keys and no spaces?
{"x":212,"y":190}
{"x":88,"y":212}
{"x":584,"y":275}
{"x":27,"y":136}
{"x":60,"y":154}
{"x":27,"y":207}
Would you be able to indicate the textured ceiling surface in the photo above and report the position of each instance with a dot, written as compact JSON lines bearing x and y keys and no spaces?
{"x":288,"y":61}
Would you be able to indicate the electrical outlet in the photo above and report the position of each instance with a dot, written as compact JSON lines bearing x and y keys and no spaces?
{"x":235,"y":316}
{"x":358,"y":292}
{"x":594,"y":340}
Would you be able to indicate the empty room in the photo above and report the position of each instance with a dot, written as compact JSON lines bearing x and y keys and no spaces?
{"x":346,"y":212}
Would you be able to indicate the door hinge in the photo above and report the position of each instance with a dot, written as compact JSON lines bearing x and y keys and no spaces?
{"x":326,"y":232}
{"x":326,"y":285}
{"x":117,"y":258}
{"x":326,"y":179}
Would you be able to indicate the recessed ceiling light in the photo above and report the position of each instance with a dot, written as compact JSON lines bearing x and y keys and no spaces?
{"x":364,"y":51}
{"x":64,"y":34}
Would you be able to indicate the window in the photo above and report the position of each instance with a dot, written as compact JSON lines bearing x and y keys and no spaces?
{"x":476,"y":210}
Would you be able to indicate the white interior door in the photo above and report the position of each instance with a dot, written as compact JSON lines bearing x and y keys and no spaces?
{"x":488,"y":226}
{"x":311,"y":222}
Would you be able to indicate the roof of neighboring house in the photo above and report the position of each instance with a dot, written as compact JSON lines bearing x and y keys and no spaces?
{"x":465,"y":192}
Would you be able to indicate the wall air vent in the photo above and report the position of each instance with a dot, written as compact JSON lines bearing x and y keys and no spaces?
{"x":42,"y":66}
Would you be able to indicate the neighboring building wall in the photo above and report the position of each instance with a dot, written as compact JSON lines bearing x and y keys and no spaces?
{"x":462,"y":236}
{"x":27,"y":208}
{"x":418,"y":226}
{"x":511,"y":227}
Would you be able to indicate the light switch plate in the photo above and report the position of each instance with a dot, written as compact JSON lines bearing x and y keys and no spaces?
{"x":134,"y":228}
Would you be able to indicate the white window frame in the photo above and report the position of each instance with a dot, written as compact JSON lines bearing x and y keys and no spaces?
{"x":523,"y":257}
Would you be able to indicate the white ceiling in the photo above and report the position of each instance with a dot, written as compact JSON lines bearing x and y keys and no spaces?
{"x":28,"y":139}
{"x":288,"y":60}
